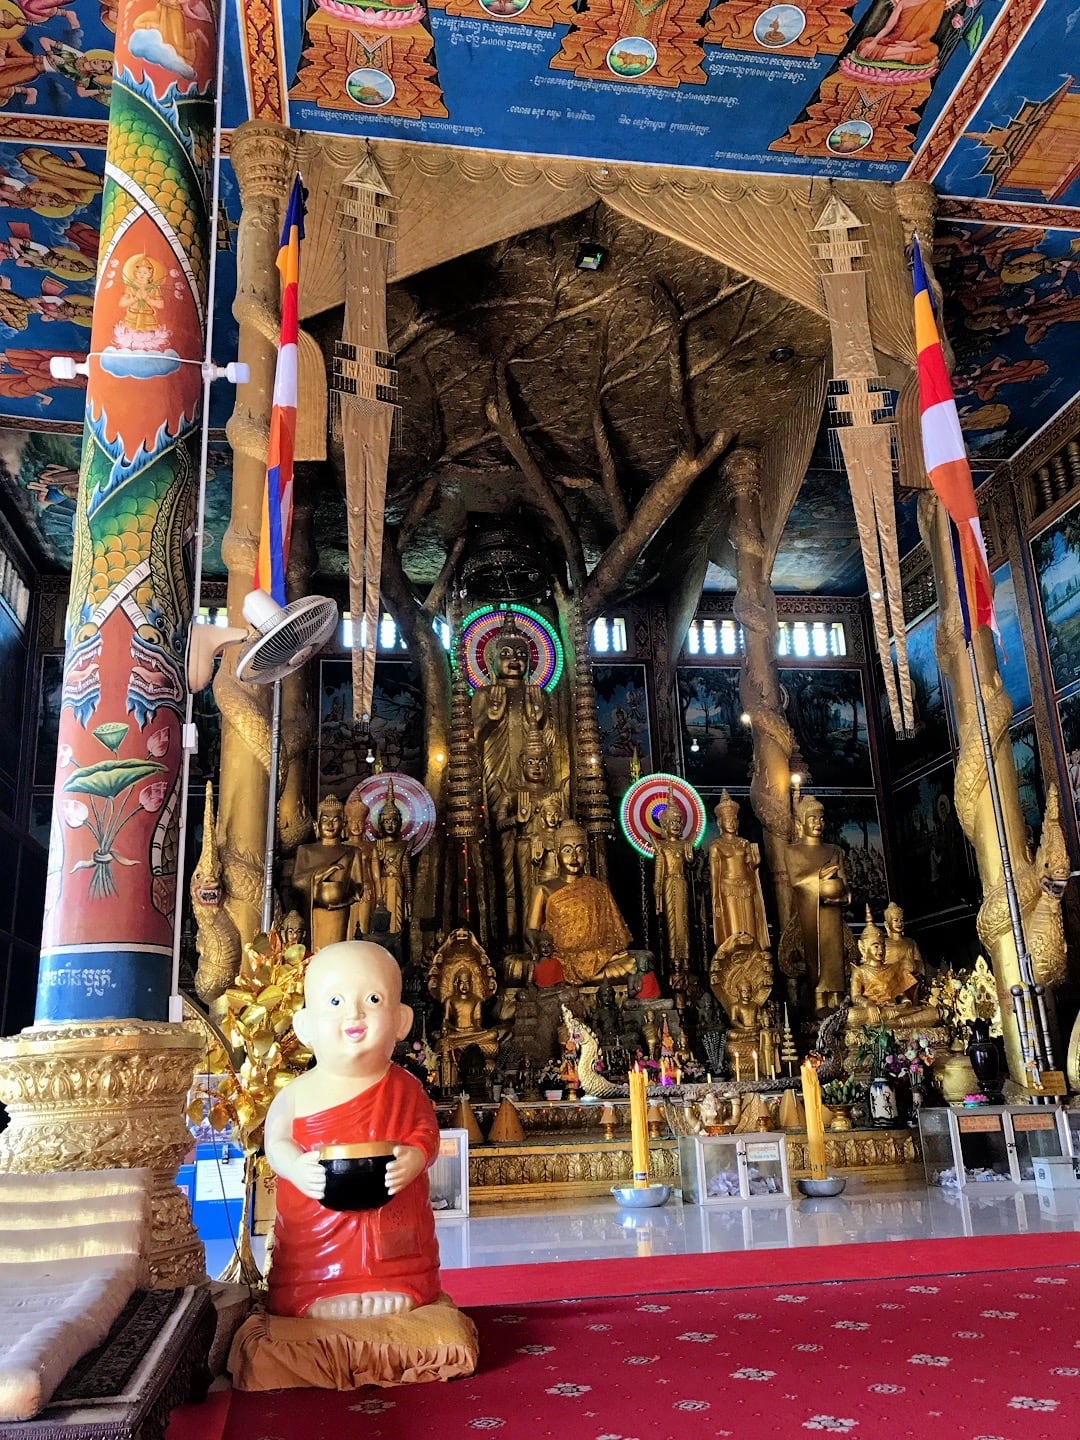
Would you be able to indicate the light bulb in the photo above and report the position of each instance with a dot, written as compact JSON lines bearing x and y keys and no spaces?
{"x":369,"y":758}
{"x":694,"y":746}
{"x":745,"y":717}
{"x":796,"y":778}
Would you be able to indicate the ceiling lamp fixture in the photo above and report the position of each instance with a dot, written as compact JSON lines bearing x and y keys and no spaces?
{"x":590,"y":255}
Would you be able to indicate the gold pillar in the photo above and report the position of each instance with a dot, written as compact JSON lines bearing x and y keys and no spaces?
{"x":263,"y":157}
{"x":759,"y":681}
{"x":1040,"y":906}
{"x":104,"y":1095}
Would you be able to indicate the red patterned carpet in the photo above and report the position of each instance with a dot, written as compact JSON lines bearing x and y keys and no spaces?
{"x":984,"y":1355}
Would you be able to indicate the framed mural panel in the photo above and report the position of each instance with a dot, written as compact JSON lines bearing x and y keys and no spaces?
{"x":1069,"y":719}
{"x":397,"y":723}
{"x":1025,"y":748}
{"x":852,"y":822}
{"x":827,"y":711}
{"x":47,"y":732}
{"x":1055,"y":554}
{"x":1012,"y":661}
{"x":932,"y":739}
{"x":936,"y":868}
{"x":709,"y":712}
{"x":622,"y":710}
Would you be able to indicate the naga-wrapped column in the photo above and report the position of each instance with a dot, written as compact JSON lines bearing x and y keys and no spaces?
{"x":107,"y":943}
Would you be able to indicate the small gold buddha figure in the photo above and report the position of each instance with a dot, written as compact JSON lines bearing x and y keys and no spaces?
{"x":813,"y":941}
{"x":293,"y":931}
{"x":898,"y":946}
{"x":366,"y":869}
{"x":884,"y":993}
{"x":579,"y":913}
{"x":741,"y":978}
{"x":323,"y":874}
{"x":461,"y":977}
{"x":392,"y":855}
{"x":737,"y":902}
{"x":672,"y":854}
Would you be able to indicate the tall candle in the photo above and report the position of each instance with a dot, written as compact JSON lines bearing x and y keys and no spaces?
{"x":736,"y":1065}
{"x":757,"y":1073}
{"x":639,"y":1132}
{"x":815,"y":1126}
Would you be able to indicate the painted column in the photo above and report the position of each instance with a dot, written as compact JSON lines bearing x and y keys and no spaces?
{"x":107,"y":942}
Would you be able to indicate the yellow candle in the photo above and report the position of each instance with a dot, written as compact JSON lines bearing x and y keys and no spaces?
{"x":639,"y":1133}
{"x":757,"y":1075}
{"x":736,"y":1066}
{"x":815,"y":1127}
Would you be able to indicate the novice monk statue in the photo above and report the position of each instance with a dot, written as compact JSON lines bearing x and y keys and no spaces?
{"x":346,"y":1265}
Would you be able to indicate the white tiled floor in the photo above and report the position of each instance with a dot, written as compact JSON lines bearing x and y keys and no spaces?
{"x":597,"y":1229}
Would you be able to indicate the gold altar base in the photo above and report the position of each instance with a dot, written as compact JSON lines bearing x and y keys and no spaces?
{"x":103,"y":1096}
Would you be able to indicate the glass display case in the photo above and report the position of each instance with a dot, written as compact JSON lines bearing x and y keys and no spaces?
{"x":987,"y":1145}
{"x":448,"y":1178}
{"x":726,"y":1169}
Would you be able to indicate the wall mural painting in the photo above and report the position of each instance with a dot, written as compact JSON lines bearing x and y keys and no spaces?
{"x":827,"y":711}
{"x":936,"y":867}
{"x":932,"y":739}
{"x":397,"y":724}
{"x":852,"y":822}
{"x":1056,"y":558}
{"x":1012,"y":313}
{"x":1069,"y":720}
{"x":833,"y":87}
{"x":39,"y":471}
{"x":710,"y":708}
{"x":1012,"y":661}
{"x":622,"y":710}
{"x":1025,"y":748}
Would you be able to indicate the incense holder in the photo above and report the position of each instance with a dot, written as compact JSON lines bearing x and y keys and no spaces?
{"x":631,"y":1198}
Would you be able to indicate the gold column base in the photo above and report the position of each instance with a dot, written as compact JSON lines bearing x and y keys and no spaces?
{"x":102,"y":1096}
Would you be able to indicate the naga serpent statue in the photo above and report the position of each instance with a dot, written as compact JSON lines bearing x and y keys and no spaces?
{"x":218,"y":942}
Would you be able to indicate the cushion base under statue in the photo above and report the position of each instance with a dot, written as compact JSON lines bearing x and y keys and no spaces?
{"x":278,"y":1352}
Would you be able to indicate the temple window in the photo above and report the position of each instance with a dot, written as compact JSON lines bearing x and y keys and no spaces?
{"x":609,"y":635}
{"x":814,"y":639}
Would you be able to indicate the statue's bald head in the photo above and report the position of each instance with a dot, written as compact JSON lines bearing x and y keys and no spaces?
{"x":353,"y":957}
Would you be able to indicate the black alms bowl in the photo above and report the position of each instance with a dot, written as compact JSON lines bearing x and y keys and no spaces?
{"x":355,"y":1176}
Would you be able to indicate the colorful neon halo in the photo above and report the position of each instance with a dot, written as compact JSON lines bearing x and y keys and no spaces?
{"x":479,"y":629}
{"x":642,"y":803}
{"x":412,"y":799}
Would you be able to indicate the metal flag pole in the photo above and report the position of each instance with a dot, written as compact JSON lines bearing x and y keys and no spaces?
{"x":1029,"y":1003}
{"x":271,"y":810}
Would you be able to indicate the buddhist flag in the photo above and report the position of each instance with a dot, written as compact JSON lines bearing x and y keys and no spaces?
{"x":276,"y":527}
{"x":945,"y":457}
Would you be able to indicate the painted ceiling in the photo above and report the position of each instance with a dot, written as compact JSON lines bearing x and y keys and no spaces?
{"x":980,"y":96}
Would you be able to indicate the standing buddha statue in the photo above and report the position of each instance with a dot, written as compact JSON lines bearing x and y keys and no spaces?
{"x":540,"y":808}
{"x":815,"y":939}
{"x":323,"y":874}
{"x":901,"y":948}
{"x":365,"y":868}
{"x":672,"y":854}
{"x":738,"y":906}
{"x":392,"y":855}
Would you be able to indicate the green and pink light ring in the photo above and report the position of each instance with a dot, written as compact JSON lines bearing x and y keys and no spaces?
{"x":412,"y":799}
{"x":481,"y":628}
{"x":639,"y":813}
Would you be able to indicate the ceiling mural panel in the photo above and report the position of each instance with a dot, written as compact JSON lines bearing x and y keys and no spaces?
{"x":1012,"y":313}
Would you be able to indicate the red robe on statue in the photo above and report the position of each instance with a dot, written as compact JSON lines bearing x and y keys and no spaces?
{"x":319,"y":1252}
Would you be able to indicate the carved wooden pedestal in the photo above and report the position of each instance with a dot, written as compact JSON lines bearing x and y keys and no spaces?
{"x":111,"y":1094}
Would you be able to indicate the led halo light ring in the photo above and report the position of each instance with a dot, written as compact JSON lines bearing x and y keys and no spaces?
{"x":480,"y":627}
{"x":642,"y":803}
{"x":412,"y":799}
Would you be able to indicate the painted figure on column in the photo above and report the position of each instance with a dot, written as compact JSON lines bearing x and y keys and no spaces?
{"x":110,"y":895}
{"x":738,"y":905}
{"x":392,"y":857}
{"x":815,"y":940}
{"x":324,"y":876}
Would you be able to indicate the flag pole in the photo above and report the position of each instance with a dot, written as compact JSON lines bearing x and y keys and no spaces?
{"x":271,"y":810}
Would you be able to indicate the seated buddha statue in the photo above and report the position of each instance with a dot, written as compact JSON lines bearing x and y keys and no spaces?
{"x":885,"y":992}
{"x":579,"y":912}
{"x":352,"y":1264}
{"x":461,"y":978}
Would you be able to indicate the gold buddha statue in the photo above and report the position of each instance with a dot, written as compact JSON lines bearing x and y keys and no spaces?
{"x":738,"y":906}
{"x":392,"y":856}
{"x":671,"y":855}
{"x":539,"y":808}
{"x":323,"y":874}
{"x":461,"y":977}
{"x":898,"y":946}
{"x":365,"y":869}
{"x":815,"y":938}
{"x":885,"y":992}
{"x":579,"y":913}
{"x":741,"y":978}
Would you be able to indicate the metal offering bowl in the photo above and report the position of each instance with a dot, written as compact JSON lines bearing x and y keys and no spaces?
{"x":817,"y":1189}
{"x":632,"y":1198}
{"x":356,"y":1175}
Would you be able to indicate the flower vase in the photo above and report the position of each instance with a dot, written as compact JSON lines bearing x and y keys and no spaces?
{"x":884,"y":1111}
{"x":985,"y":1059}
